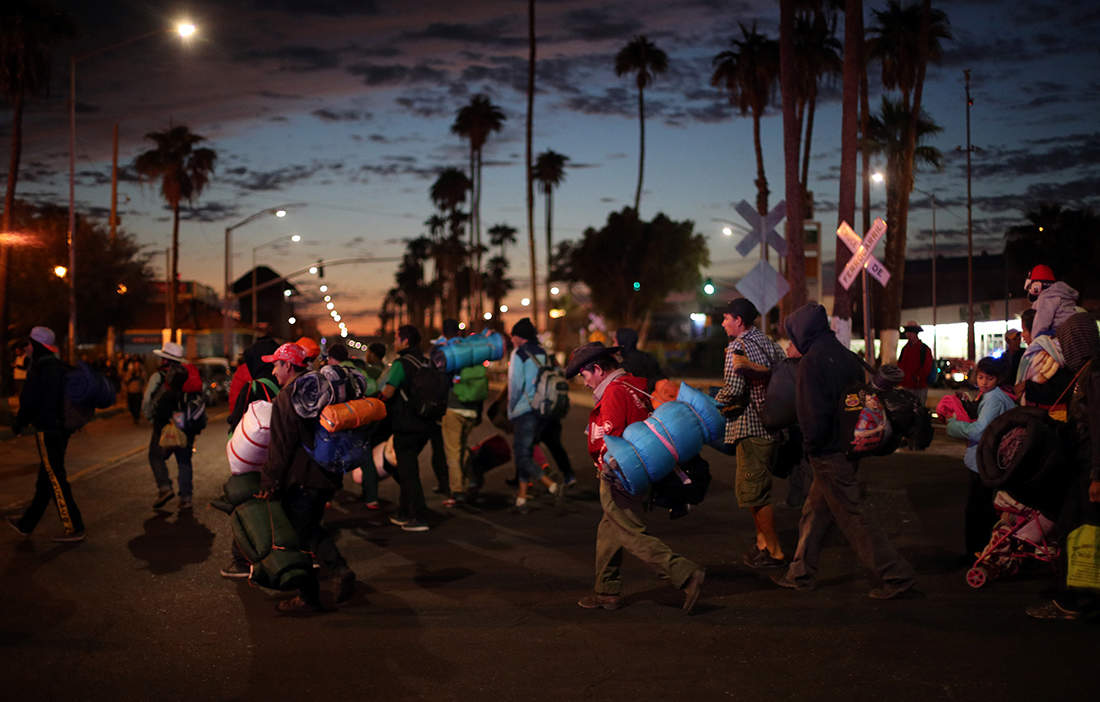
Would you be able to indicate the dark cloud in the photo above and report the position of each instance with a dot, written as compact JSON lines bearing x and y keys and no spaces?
{"x":326,"y":115}
{"x":422,"y":105}
{"x":209,"y":211}
{"x":396,"y":74}
{"x":331,"y":8}
{"x":279,"y":178}
{"x":1079,"y":192}
{"x":493,"y":33}
{"x":614,"y":101}
{"x":597,"y":24}
{"x":1037,"y":157}
{"x":298,"y":59}
{"x":279,"y":96}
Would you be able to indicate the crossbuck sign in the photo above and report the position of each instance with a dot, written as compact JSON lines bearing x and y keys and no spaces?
{"x":861,"y":253}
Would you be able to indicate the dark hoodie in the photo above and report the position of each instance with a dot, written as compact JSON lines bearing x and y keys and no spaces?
{"x":635,"y":362}
{"x":826,"y":370}
{"x":42,"y":400}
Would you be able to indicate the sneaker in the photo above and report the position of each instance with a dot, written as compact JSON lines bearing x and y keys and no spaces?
{"x":163,"y":497}
{"x":450,"y":502}
{"x":891,"y":591}
{"x":570,"y":481}
{"x":803,"y":585}
{"x":236,"y":571}
{"x":373,"y":506}
{"x":296,"y":606}
{"x":692,"y":588}
{"x":598,"y":601}
{"x":398,"y":520}
{"x":14,"y":524}
{"x":760,"y":558}
{"x":415,"y":525}
{"x":1052,"y":610}
{"x":347,"y":587}
{"x":185,"y":502}
{"x":67,"y":538}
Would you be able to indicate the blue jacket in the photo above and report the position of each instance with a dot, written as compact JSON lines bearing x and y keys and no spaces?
{"x":993,"y":404}
{"x":522,"y":373}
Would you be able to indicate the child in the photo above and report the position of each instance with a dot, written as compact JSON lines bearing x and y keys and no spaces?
{"x":992,"y":402}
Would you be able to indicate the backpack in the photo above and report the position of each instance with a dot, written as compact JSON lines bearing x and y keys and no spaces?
{"x":550,"y":398}
{"x":427,"y":389}
{"x":87,"y":387}
{"x":472,"y":384}
{"x":339,"y":451}
{"x":191,"y":415}
{"x":932,"y":374}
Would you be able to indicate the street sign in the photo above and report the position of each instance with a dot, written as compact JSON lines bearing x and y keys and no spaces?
{"x":861,"y":254}
{"x":761,"y":228}
{"x":763,"y":286}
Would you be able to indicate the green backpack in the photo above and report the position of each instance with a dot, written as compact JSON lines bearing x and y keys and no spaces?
{"x":472,"y":385}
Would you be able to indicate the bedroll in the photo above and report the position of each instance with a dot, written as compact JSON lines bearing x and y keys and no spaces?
{"x":352,"y":414}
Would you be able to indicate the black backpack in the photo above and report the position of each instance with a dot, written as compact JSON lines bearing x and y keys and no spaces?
{"x":425,"y":390}
{"x":192,"y":411}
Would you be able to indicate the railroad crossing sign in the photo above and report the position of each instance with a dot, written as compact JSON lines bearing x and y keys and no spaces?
{"x":763,"y":286}
{"x":762,"y":228}
{"x":861,"y":253}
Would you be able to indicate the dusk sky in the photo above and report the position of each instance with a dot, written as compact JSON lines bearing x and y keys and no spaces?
{"x":346,"y":105}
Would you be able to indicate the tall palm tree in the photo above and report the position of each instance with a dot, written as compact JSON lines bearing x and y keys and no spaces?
{"x":183,"y":172}
{"x":849,"y":145}
{"x":749,"y":72}
{"x":496,"y":282}
{"x":528,"y":180}
{"x":904,"y":39}
{"x":549,"y":172}
{"x":501,"y":235}
{"x":448,"y":192}
{"x":644,"y":60}
{"x":475,"y":122}
{"x":817,"y":57}
{"x":28,"y":31}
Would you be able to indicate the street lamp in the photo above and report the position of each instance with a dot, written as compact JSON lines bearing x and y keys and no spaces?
{"x":185,"y":30}
{"x":227,"y":326}
{"x":294,"y":238}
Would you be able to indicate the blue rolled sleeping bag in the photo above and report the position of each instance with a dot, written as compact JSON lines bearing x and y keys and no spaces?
{"x":468,"y":351}
{"x":675,"y":433}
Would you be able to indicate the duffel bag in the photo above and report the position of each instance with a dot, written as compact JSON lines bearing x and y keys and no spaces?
{"x":352,"y":414}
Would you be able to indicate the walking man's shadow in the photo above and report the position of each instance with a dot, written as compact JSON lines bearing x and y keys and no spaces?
{"x":167,"y":546}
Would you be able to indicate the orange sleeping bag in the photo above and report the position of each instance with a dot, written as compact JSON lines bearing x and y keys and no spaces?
{"x":353,"y":414}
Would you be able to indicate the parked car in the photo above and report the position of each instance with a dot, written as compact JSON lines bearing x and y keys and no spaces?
{"x":955,"y":373}
{"x":215,"y":375}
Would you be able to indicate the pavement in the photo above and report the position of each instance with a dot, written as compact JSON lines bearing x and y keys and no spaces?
{"x":483,"y":605}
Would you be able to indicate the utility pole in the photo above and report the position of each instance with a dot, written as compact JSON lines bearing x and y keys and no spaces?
{"x":969,"y":233}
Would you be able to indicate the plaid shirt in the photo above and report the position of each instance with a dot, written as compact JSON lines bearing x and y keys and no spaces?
{"x":762,"y":351}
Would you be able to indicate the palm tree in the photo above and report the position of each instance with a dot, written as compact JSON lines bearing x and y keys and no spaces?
{"x":817,"y":56}
{"x":642,"y":58}
{"x":448,"y":192}
{"x":849,"y":142}
{"x":749,"y":72}
{"x":528,"y":180}
{"x":183,"y":172}
{"x":501,"y":235}
{"x":904,"y":39}
{"x":549,"y":171}
{"x":496,"y":282}
{"x":28,"y":30}
{"x":475,"y":122}
{"x":886,"y":135}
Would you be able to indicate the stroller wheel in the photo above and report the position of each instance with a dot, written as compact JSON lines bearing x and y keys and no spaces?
{"x":976,"y":577}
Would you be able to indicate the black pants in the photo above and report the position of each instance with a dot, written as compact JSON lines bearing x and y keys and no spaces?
{"x":408,"y":448}
{"x":980,"y":515}
{"x":439,"y":461}
{"x":305,"y":508}
{"x":133,"y":401}
{"x":551,"y":438}
{"x":53,"y":484}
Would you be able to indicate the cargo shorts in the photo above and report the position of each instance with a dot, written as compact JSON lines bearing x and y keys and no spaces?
{"x":753,"y":481}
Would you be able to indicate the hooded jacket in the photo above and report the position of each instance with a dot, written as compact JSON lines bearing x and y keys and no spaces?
{"x":1053,"y":306}
{"x":288,"y":464}
{"x":826,"y":370}
{"x":42,"y":400}
{"x":635,"y":362}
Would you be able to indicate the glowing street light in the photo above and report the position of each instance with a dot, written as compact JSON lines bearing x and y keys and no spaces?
{"x":60,"y":271}
{"x":280,"y":213}
{"x":313,"y":270}
{"x":555,"y":290}
{"x":296,"y":238}
{"x":525,"y":301}
{"x":328,"y":298}
{"x":292,"y":320}
{"x":185,"y":30}
{"x":287,"y":292}
{"x":331,"y":306}
{"x":324,"y":288}
{"x":877,"y":177}
{"x":487,"y":316}
{"x":504,"y":308}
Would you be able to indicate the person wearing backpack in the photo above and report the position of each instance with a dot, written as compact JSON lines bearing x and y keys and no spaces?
{"x":469,"y":388}
{"x":171,"y":355}
{"x":42,"y":403}
{"x":825,"y":373}
{"x":410,"y":393}
{"x":915,"y":360}
{"x":179,"y":402}
{"x":523,"y":371}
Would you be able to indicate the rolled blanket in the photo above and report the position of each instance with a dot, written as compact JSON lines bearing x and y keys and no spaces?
{"x":311,"y":393}
{"x":951,"y":407}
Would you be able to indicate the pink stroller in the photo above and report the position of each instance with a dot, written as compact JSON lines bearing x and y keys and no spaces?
{"x":1021,"y":533}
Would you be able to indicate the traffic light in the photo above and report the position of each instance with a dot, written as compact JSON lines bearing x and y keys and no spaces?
{"x":637,"y":285}
{"x":708,"y":287}
{"x":320,"y":269}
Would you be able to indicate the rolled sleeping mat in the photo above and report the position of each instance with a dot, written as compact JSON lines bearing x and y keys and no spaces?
{"x":625,"y":465}
{"x":468,"y":351}
{"x":648,"y":450}
{"x":706,"y":409}
{"x":247,"y":448}
{"x":353,"y":414}
{"x":265,"y":536}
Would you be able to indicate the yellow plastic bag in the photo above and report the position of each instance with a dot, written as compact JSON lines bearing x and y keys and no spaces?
{"x":172,"y":437}
{"x":1083,"y":556}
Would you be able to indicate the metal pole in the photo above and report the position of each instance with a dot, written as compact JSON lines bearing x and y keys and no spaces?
{"x":253,"y":288}
{"x":969,"y":236}
{"x":868,"y":336}
{"x":167,"y":286}
{"x":114,"y":185}
{"x":227,"y":327}
{"x":72,"y":210}
{"x":936,"y":332}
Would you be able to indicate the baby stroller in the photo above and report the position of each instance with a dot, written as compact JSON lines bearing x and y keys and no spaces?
{"x":1020,"y":534}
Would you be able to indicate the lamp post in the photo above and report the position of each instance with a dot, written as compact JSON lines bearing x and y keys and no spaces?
{"x":294,"y":238}
{"x":227,"y":322}
{"x":185,"y":30}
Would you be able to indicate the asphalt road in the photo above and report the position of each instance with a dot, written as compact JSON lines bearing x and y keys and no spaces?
{"x":483,"y":606}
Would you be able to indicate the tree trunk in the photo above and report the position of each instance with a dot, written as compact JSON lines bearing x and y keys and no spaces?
{"x":549,"y":239}
{"x":475,"y":291}
{"x":792,"y":132}
{"x":761,"y":181}
{"x":811,"y":108}
{"x":470,"y":300}
{"x":849,"y":143}
{"x":5,"y":248}
{"x":530,"y":183}
{"x":641,"y":148}
{"x":172,"y":284}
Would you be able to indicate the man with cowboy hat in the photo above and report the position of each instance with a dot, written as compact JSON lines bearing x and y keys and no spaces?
{"x":915,"y":360}
{"x":42,"y":403}
{"x":172,"y":359}
{"x":620,"y":400}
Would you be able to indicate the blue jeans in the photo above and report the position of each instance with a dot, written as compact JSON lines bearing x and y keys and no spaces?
{"x":158,"y":461}
{"x":527,"y":427}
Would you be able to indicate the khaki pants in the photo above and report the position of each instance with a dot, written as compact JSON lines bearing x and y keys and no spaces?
{"x":456,"y":444}
{"x":622,"y":528}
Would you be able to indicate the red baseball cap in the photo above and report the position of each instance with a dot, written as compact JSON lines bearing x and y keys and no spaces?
{"x":293,"y":354}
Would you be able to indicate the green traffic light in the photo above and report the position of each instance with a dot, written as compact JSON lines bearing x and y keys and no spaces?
{"x":708,"y":287}
{"x":637,"y":286}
